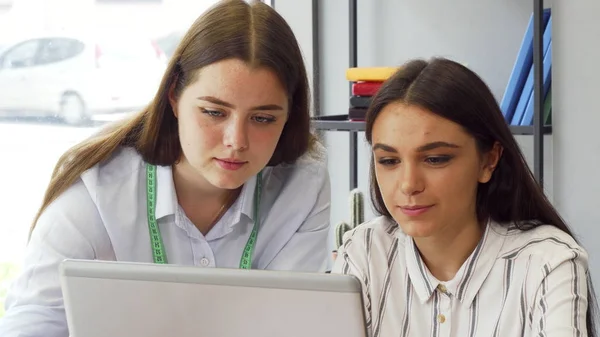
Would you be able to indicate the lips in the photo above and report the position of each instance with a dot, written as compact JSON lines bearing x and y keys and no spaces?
{"x":415,"y":210}
{"x":232,"y":161}
{"x":412,"y":208}
{"x":230,"y":164}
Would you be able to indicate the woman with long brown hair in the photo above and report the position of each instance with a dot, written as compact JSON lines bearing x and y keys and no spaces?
{"x":220,"y":170}
{"x":467,"y":243}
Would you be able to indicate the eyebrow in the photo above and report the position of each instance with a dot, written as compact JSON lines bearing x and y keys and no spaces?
{"x":423,"y":148}
{"x":214,"y":100}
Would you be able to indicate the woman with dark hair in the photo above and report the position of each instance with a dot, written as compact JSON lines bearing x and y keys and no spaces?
{"x":209,"y":174}
{"x":467,"y":244}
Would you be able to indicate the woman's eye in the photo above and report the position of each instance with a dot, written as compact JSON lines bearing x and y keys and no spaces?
{"x":212,"y":113}
{"x":264,"y":119}
{"x":438,"y":160}
{"x":388,"y":161}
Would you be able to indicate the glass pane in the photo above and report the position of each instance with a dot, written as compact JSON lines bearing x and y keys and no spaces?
{"x":20,"y":55}
{"x":58,"y":50}
{"x":68,"y":67}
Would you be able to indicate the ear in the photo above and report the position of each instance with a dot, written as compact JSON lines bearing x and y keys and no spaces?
{"x":171,"y":96}
{"x":490,"y":162}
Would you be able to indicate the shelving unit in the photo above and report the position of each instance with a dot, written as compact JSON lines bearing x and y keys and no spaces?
{"x":341,"y":123}
{"x":538,"y":103}
{"x":537,"y":131}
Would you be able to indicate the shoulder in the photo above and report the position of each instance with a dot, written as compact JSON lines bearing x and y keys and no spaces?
{"x":75,"y":215}
{"x":544,"y":244}
{"x":311,"y":162}
{"x":307,"y":172}
{"x":380,"y":235}
{"x":105,"y":180}
{"x":123,"y":165}
{"x":369,"y":245}
{"x":119,"y":167}
{"x":381,"y":227}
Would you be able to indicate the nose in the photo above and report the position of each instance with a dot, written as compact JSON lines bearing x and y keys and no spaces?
{"x":411,"y":182}
{"x":235,"y":135}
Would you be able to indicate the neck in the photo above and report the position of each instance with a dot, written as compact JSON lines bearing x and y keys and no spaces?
{"x":190,"y":185}
{"x":203,"y":203}
{"x":445,"y":253}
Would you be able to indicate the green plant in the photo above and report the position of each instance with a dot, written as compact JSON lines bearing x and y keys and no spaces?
{"x":357,"y":216}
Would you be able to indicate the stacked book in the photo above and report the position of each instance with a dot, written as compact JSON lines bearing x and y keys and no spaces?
{"x":365,"y":82}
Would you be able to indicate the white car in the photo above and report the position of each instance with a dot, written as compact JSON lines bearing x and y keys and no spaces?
{"x":75,"y":77}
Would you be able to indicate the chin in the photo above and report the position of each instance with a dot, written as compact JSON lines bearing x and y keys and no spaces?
{"x":416,"y":228}
{"x":228,"y":179}
{"x":228,"y":183}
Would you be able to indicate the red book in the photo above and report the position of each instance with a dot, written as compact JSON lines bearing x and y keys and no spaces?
{"x":365,"y":88}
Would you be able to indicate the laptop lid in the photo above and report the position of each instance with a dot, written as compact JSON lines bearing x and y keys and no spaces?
{"x":120,"y":299}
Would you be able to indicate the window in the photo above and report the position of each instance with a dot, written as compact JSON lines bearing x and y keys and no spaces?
{"x":73,"y":51}
{"x":5,"y":4}
{"x":56,"y":50}
{"x":21,"y":56}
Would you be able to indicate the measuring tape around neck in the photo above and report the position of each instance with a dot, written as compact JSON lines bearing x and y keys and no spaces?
{"x":158,"y":249}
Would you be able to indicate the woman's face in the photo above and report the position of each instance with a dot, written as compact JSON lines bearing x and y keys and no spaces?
{"x":428,"y":170}
{"x":230,"y":120}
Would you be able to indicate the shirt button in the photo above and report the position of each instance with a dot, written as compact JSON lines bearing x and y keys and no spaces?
{"x":442,"y":288}
{"x":204,"y":262}
{"x":441,"y":318}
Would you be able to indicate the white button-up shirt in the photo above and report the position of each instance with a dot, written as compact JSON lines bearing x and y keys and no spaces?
{"x":104,"y":216}
{"x":515,"y":283}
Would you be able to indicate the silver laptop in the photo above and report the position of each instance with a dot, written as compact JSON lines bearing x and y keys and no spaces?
{"x":120,"y":299}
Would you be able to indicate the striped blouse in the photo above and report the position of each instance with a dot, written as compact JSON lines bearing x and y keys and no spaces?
{"x":515,"y":283}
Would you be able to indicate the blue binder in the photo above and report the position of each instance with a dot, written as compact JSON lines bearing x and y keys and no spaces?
{"x":521,"y":67}
{"x":528,"y":87}
{"x":547,"y":79}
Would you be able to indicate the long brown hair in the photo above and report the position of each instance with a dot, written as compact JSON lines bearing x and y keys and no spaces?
{"x":254,"y":33}
{"x":452,"y":91}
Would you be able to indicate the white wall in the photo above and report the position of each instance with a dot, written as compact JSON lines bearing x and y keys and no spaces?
{"x":298,"y":14}
{"x":575,"y":112}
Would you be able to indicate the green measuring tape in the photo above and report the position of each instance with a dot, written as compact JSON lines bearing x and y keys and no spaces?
{"x":158,"y":248}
